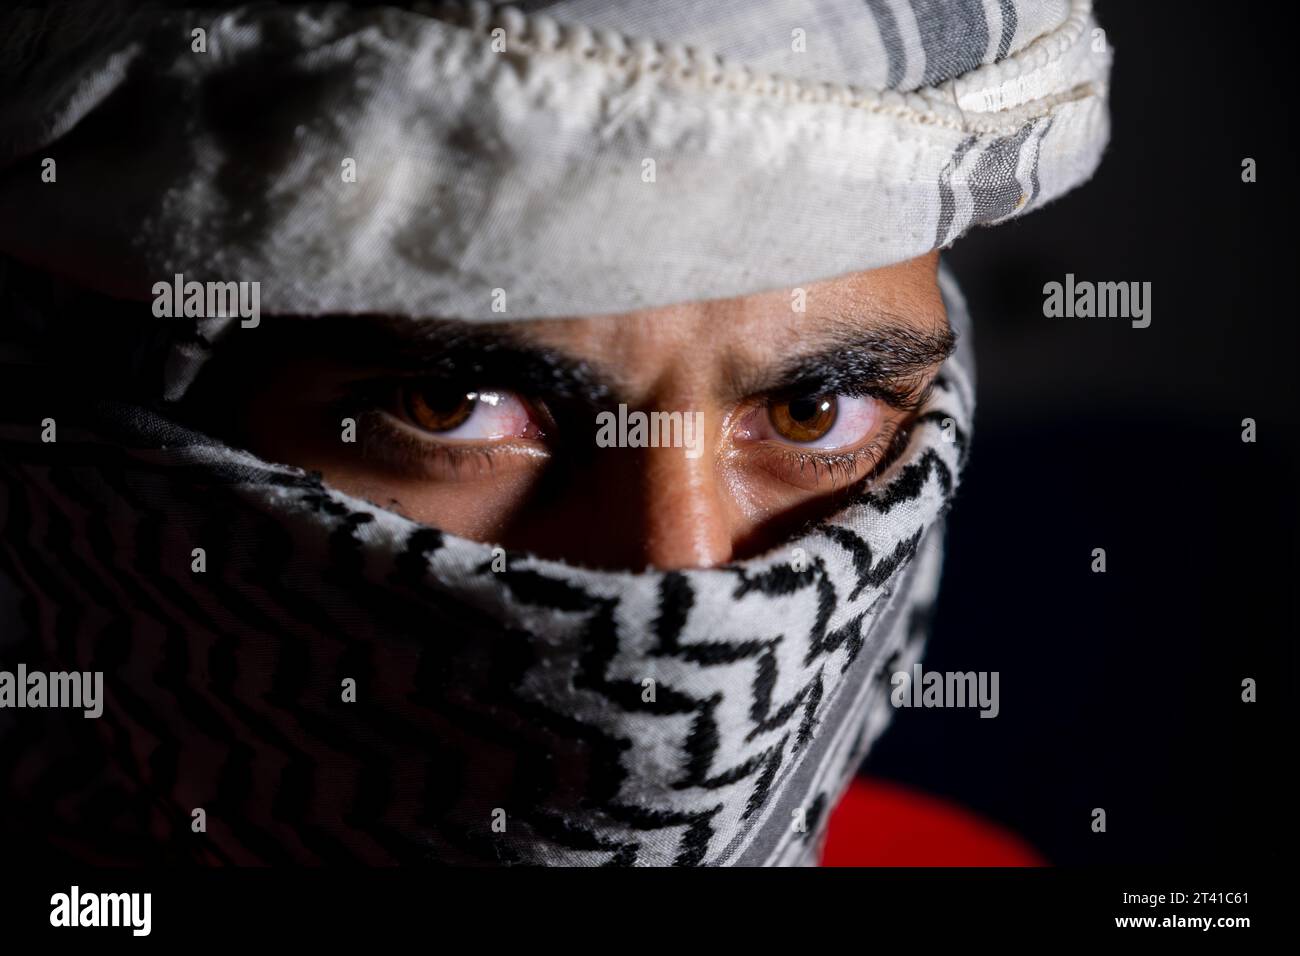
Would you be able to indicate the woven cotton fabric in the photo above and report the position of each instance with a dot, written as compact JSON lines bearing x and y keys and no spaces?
{"x":900,"y":45}
{"x":579,"y":159}
{"x":574,"y":158}
{"x":484,"y":696}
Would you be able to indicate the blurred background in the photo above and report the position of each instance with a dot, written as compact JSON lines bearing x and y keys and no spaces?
{"x":1123,"y":690}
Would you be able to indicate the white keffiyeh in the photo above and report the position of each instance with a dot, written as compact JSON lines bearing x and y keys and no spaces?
{"x":595,"y":158}
{"x":502,"y":717}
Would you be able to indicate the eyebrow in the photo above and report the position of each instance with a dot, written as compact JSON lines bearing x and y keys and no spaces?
{"x":887,"y":360}
{"x":486,"y":354}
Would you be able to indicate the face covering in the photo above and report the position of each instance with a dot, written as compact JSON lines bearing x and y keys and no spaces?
{"x":292,"y":674}
{"x":337,"y":683}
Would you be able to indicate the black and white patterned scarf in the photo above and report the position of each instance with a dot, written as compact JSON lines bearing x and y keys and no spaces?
{"x":540,"y":714}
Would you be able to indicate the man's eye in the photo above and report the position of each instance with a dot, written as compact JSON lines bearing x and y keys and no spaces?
{"x":824,"y":422}
{"x":804,"y":420}
{"x":458,"y":414}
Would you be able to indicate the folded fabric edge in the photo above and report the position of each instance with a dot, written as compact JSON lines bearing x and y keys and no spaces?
{"x":994,"y":99}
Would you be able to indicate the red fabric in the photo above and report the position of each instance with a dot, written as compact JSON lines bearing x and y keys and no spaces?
{"x":884,"y":824}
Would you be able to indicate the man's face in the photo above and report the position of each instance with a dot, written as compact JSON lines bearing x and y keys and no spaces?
{"x":511,"y":432}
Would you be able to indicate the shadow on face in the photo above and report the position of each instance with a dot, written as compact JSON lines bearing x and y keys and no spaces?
{"x":683,"y":436}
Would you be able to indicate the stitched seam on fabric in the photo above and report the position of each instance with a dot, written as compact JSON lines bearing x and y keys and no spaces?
{"x":630,"y":56}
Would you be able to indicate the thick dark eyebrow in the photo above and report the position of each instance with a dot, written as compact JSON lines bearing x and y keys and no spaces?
{"x":475,"y":354}
{"x":889,"y":361}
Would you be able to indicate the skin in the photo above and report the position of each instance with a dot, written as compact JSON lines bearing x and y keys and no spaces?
{"x":545,"y":487}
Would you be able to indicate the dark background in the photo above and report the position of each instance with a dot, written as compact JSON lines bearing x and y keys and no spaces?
{"x":1123,"y":690}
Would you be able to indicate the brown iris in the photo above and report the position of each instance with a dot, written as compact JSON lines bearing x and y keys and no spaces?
{"x":438,"y":410}
{"x":803,"y":419}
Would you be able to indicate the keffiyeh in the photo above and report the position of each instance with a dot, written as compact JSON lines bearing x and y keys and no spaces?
{"x":521,"y":712}
{"x":595,"y":157}
{"x":515,"y":695}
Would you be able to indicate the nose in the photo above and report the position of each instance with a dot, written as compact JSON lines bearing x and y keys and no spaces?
{"x":629,"y":508}
{"x":684,"y":512}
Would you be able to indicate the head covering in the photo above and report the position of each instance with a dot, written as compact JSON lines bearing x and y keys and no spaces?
{"x":544,"y":713}
{"x":593,"y":159}
{"x":482,"y":695}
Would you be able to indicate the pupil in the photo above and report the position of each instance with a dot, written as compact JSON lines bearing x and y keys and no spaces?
{"x":444,"y":402}
{"x":803,"y":409}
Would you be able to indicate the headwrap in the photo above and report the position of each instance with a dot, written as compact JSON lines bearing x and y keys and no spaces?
{"x":501,"y":716}
{"x":522,"y":159}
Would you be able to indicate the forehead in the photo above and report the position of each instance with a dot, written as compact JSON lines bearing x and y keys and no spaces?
{"x":753,"y":330}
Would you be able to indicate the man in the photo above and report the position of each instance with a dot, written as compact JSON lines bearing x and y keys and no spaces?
{"x":560,"y":480}
{"x":496,"y":436}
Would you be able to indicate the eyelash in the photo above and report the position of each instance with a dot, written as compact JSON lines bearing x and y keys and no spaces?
{"x":384,"y":438}
{"x":845,"y":466}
